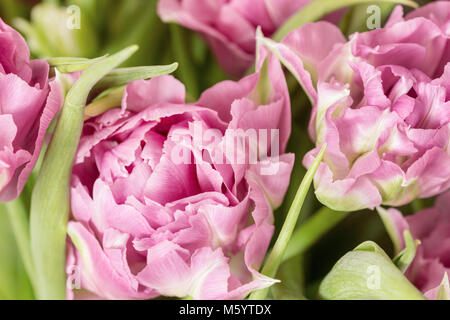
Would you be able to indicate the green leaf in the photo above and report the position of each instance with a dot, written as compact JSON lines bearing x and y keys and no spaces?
{"x":123,"y":76}
{"x":18,"y":218}
{"x":292,"y":278}
{"x":276,"y":255}
{"x":407,"y":255}
{"x":112,"y":87}
{"x":14,"y":282}
{"x":367,"y":273}
{"x":50,"y":201}
{"x":72,"y":64}
{"x":315,"y":10}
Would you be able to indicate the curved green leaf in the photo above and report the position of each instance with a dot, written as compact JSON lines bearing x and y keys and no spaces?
{"x":276,"y":255}
{"x":407,"y":255}
{"x":123,"y":76}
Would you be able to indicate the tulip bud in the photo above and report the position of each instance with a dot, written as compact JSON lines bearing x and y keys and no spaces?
{"x":367,"y":273}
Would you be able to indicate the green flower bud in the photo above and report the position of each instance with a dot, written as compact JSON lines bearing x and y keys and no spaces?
{"x":367,"y":273}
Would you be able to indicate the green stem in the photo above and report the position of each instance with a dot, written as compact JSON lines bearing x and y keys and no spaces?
{"x":274,"y":260}
{"x":312,"y":230}
{"x":18,"y":218}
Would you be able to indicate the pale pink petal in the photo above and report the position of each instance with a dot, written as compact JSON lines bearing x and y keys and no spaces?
{"x":98,"y":272}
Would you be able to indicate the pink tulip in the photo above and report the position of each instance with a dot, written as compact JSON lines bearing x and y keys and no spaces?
{"x":432,"y":228}
{"x":28,"y":103}
{"x":381,"y":103}
{"x":229,"y":26}
{"x":154,"y":213}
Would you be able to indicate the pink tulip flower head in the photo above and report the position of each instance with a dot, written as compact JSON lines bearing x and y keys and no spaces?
{"x":381,"y":103}
{"x":28,"y":103}
{"x":160,"y":203}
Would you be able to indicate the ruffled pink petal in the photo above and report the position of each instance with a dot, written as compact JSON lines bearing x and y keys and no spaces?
{"x":31,"y":123}
{"x":15,"y":55}
{"x":167,"y":270}
{"x":98,"y":272}
{"x":109,"y":214}
{"x":263,"y":173}
{"x":141,"y":94}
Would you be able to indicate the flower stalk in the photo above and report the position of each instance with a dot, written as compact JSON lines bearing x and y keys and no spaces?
{"x":276,"y":255}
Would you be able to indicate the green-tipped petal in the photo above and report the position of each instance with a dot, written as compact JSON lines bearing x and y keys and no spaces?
{"x":407,"y":255}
